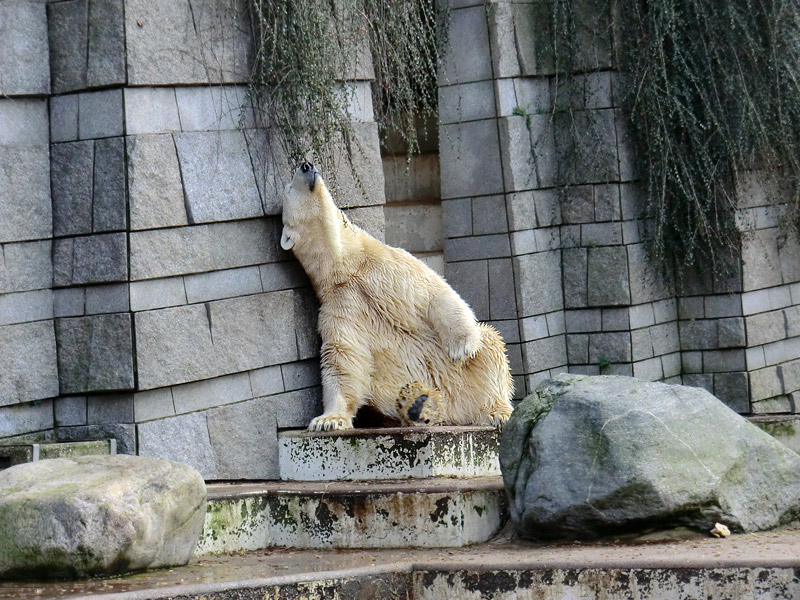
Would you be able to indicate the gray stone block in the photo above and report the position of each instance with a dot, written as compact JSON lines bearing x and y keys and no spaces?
{"x":208,"y":393}
{"x":299,"y":375}
{"x":95,"y":353}
{"x":616,"y":319}
{"x":578,"y":349}
{"x":28,"y":362}
{"x":151,"y":110}
{"x":610,"y":347}
{"x":522,"y":210}
{"x":165,"y":252}
{"x":631,"y":232}
{"x":26,"y":418}
{"x":371,"y":219}
{"x":244,"y":440}
{"x":467,"y":56}
{"x":547,"y":353}
{"x":642,"y":344}
{"x":534,"y":328}
{"x":731,"y":332}
{"x":506,"y":98}
{"x":24,"y":307}
{"x":665,"y":338}
{"x":538,"y":278}
{"x":765,"y":383}
{"x":69,"y":410}
{"x":760,"y":259}
{"x":782,"y":351}
{"x":100,"y":114}
{"x":789,"y":256}
{"x":665,"y":310}
{"x":206,"y":108}
{"x":72,"y":168}
{"x":25,"y":266}
{"x":651,"y":370}
{"x":467,"y":102}
{"x":296,"y":409}
{"x":647,"y":281}
{"x":503,"y":41}
{"x":626,"y":147}
{"x":124,"y":433}
{"x":23,"y":122}
{"x":523,"y":242}
{"x":692,"y":308}
{"x":477,"y":247}
{"x":471,"y":152}
{"x":527,"y":151}
{"x":608,"y":276}
{"x":109,"y":207}
{"x":184,"y":438}
{"x":359,"y":177}
{"x":471,"y":281}
{"x":698,"y":335}
{"x":766,"y":327}
{"x":64,"y":118}
{"x":502,"y":300}
{"x":755,"y":358}
{"x":586,"y":146}
{"x":642,"y":315}
{"x":692,"y":362}
{"x":632,"y":200}
{"x":509,"y":330}
{"x":723,"y":360}
{"x":581,"y":321}
{"x":734,"y":390}
{"x":606,"y":203}
{"x":272,"y":167}
{"x":457,"y":217}
{"x":25,"y":207}
{"x":575,"y":277}
{"x":68,"y":28}
{"x":416,"y":228}
{"x":23,"y":49}
{"x":217,"y":176}
{"x":154,"y":180}
{"x":110,"y":409}
{"x":283,"y":276}
{"x":266,"y":381}
{"x":601,"y":234}
{"x":417,"y":178}
{"x":533,"y":94}
{"x":222,"y":284}
{"x":101,"y":299}
{"x":534,"y":38}
{"x":489,"y":215}
{"x":157,"y":293}
{"x":155,"y":404}
{"x":577,"y":204}
{"x":203,"y":41}
{"x":105,"y":56}
{"x":101,"y":258}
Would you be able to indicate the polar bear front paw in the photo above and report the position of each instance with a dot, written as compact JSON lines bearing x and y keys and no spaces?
{"x":330,"y":423}
{"x":499,"y":417}
{"x":462,"y":348}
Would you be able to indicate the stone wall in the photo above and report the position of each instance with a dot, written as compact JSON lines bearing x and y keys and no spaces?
{"x":181,"y":327}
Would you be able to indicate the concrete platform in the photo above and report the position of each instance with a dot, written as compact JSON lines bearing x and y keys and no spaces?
{"x":389,"y":453}
{"x":431,"y":513}
{"x":784,"y":428}
{"x":765,"y":565}
{"x":14,"y":454}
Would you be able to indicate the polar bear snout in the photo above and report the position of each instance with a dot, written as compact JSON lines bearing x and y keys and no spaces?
{"x":309,"y":174}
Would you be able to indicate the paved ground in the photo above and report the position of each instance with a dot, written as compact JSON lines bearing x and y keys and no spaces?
{"x":277,"y":566}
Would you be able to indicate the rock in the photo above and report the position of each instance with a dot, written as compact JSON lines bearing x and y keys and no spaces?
{"x":98,"y":515}
{"x":587,"y":456}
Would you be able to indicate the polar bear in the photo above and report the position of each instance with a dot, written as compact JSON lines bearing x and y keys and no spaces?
{"x":394,"y":334}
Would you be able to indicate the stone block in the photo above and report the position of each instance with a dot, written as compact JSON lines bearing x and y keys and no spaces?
{"x":538,"y":279}
{"x":109,"y":206}
{"x":723,"y":360}
{"x":472,"y":151}
{"x":608,"y":276}
{"x":164,"y":50}
{"x":616,"y":319}
{"x":157,"y":293}
{"x":100,"y":114}
{"x":502,"y":300}
{"x":283,"y":276}
{"x":26,"y":418}
{"x":217,"y":176}
{"x":782,"y":351}
{"x":575,"y":265}
{"x":110,"y":409}
{"x":101,"y":258}
{"x":610,"y":347}
{"x":416,"y":228}
{"x":641,"y":344}
{"x":266,"y":381}
{"x":631,"y":232}
{"x":467,"y":56}
{"x":95,"y":353}
{"x":23,"y":122}
{"x":68,"y":40}
{"x":578,"y":349}
{"x":306,"y":307}
{"x":789,"y":257}
{"x":523,"y":242}
{"x":522,"y":210}
{"x":699,"y":334}
{"x":765,"y":383}
{"x":760,"y":260}
{"x":154,"y":181}
{"x":155,"y":404}
{"x":25,"y":206}
{"x":222,"y":284}
{"x":100,"y":299}
{"x":208,"y":393}
{"x":206,"y":108}
{"x":535,"y":328}
{"x":25,"y":266}
{"x":105,"y":57}
{"x":503,"y":40}
{"x":765,"y":327}
{"x":23,"y":307}
{"x":69,"y":410}
{"x":184,"y":438}
{"x":601,"y":234}
{"x":151,"y":110}
{"x":371,"y":219}
{"x":165,"y":252}
{"x":471,"y":281}
{"x":586,"y":146}
{"x":302,"y":374}
{"x":28,"y":362}
{"x":64,"y":118}
{"x":477,"y":247}
{"x":457,"y":217}
{"x":244,"y":440}
{"x":509,"y":330}
{"x":734,"y":390}
{"x":506,"y":98}
{"x":778,"y":405}
{"x":648,"y":282}
{"x":577,"y":204}
{"x":271,"y":166}
{"x":23,"y":49}
{"x":489,"y":215}
{"x":606,"y":203}
{"x":731,"y":332}
{"x":692,"y":362}
{"x":650,"y":369}
{"x":626,"y":147}
{"x":527,"y":151}
{"x":632,"y":200}
{"x":414,"y":179}
{"x":467,"y":102}
{"x":547,"y":353}
{"x":665,"y":338}
{"x":582,"y":321}
{"x":691,"y":308}
{"x":72,"y":169}
{"x":665,"y":310}
{"x":755,"y":358}
{"x":359,"y":177}
{"x":533,"y":94}
{"x":642,"y":315}
{"x":534,"y":38}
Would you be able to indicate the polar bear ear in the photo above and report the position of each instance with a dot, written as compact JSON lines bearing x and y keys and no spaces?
{"x":287,"y":243}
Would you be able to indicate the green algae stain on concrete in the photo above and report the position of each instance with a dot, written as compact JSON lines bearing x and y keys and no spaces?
{"x":238,"y":524}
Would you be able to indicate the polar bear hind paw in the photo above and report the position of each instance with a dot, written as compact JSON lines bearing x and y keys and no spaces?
{"x":500,"y":416}
{"x":330,"y":423}
{"x":419,"y":405}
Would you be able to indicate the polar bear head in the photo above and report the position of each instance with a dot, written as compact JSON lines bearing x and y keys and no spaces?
{"x":304,"y":199}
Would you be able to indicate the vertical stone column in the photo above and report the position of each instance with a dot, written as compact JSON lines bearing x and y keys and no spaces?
{"x":28,"y":371}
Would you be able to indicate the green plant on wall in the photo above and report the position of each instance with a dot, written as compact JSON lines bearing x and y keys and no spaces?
{"x":307,"y":49}
{"x":712,"y":91}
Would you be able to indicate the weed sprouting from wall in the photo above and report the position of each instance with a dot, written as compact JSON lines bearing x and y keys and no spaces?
{"x":712,"y":92}
{"x":307,"y":51}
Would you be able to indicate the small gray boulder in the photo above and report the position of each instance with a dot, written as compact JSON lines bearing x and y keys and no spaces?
{"x":585,"y":456}
{"x":98,"y":515}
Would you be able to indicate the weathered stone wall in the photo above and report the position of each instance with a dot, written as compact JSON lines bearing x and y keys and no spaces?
{"x":181,"y":326}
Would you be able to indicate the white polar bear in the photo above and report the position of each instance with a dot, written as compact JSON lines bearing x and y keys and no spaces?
{"x":394,"y":334}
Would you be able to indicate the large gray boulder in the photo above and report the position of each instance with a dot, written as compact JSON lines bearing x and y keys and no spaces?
{"x":98,"y":515}
{"x":584,"y":457}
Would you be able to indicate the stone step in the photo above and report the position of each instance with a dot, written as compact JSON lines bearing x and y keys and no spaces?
{"x":388,"y":453}
{"x":435,"y":513}
{"x":784,"y":428}
{"x":14,"y":454}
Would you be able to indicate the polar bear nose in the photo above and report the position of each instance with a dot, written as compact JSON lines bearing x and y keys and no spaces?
{"x":306,"y":167}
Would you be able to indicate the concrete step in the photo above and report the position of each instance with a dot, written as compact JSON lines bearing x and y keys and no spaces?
{"x":389,"y":453}
{"x":14,"y":454}
{"x":435,"y":513}
{"x":784,"y":428}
